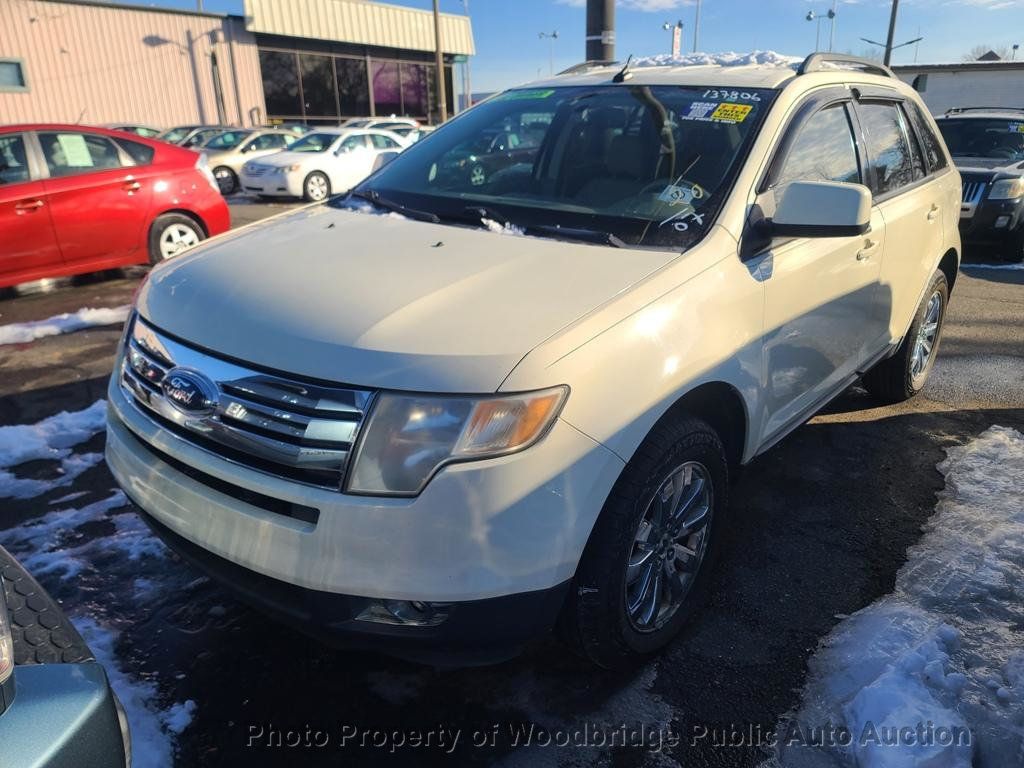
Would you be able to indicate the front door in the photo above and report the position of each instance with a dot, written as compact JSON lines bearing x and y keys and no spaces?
{"x":28,"y":245}
{"x":824,"y":309}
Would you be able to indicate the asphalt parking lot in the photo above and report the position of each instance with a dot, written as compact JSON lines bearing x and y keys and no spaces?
{"x":819,"y":527}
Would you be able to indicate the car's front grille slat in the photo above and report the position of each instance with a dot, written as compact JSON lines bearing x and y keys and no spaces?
{"x":972,"y":191}
{"x":275,"y":424}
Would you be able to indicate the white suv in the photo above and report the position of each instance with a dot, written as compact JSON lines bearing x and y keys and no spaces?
{"x":456,"y":408}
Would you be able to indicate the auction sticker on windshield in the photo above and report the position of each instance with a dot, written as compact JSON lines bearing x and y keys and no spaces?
{"x":731,"y":113}
{"x":533,"y":94}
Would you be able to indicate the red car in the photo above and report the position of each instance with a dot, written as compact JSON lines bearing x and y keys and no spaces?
{"x":79,"y":199}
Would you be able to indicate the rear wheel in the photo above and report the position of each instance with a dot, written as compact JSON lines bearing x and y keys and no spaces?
{"x":316,"y":187}
{"x":646,"y":567}
{"x":172,"y":234}
{"x":903,"y":375}
{"x":227,"y":181}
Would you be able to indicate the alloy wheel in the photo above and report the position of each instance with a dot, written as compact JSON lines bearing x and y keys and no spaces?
{"x":669,"y":547}
{"x":924,"y":343}
{"x":316,"y":188}
{"x":177,"y":238}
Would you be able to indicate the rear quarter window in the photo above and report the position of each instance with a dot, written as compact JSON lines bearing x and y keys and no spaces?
{"x":933,"y":152}
{"x":141,"y":154}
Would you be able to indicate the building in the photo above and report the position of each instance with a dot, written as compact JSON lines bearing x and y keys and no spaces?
{"x":314,"y":61}
{"x":966,"y":84}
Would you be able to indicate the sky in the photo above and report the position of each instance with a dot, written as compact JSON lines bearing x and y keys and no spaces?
{"x":510,"y":51}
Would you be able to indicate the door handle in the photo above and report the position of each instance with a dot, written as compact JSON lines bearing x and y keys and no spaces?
{"x":869,"y":248}
{"x":131,"y":186}
{"x":28,"y":205}
{"x":933,"y":214}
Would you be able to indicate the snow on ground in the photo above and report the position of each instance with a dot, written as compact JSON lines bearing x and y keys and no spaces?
{"x":1019,"y":265}
{"x":933,"y":674}
{"x":729,"y":59}
{"x":152,"y":729}
{"x":49,"y":439}
{"x":20,"y":333}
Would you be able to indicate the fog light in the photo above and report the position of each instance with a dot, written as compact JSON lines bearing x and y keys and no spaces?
{"x":409,"y":613}
{"x":1002,"y":221}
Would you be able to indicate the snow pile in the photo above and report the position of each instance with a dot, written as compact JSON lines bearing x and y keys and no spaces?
{"x":153,"y":729}
{"x":730,"y":59}
{"x":933,"y":674}
{"x":51,"y":439}
{"x":21,"y":333}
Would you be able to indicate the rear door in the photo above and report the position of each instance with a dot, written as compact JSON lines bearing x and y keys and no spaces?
{"x":823,"y":310}
{"x":99,"y":200}
{"x":28,"y":245}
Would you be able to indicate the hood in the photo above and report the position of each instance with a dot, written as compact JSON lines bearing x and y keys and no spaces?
{"x":382,"y":301}
{"x":969,"y":164}
{"x":285,"y":158}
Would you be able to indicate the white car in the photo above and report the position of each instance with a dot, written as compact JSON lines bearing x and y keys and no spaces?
{"x":381,"y":122}
{"x":517,"y":401}
{"x":321,"y":163}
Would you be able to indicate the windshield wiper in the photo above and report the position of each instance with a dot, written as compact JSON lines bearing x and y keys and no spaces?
{"x":573,"y":233}
{"x":372,"y":196}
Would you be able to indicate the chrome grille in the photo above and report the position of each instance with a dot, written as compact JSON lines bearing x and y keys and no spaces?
{"x":288,"y":428}
{"x":972,"y":191}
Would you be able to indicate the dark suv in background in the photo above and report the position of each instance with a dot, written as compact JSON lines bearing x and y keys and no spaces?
{"x":987,"y":144}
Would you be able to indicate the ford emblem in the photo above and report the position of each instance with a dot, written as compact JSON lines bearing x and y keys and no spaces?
{"x":190,"y":392}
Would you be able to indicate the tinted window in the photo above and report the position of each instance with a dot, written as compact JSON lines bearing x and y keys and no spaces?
{"x":70,"y":153}
{"x":888,"y":149}
{"x":824,"y":150}
{"x":415,"y":89}
{"x":992,"y":138}
{"x":383,"y":142}
{"x":353,"y":88}
{"x":139,"y":153}
{"x":12,"y":76}
{"x":916,"y":158}
{"x":13,"y":159}
{"x":387,"y":96}
{"x":932,"y":146}
{"x":280,"y":83}
{"x":318,"y":85}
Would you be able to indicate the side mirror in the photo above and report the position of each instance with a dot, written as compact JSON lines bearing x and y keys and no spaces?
{"x":821,"y":209}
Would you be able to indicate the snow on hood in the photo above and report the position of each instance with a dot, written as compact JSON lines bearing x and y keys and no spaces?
{"x":729,"y":59}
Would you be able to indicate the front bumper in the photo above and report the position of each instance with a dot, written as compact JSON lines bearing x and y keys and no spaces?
{"x":993,"y":222}
{"x":512,"y":527}
{"x":273,"y":185}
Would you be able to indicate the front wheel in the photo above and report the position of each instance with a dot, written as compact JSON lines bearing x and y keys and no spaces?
{"x":316,"y":187}
{"x":646,"y":567}
{"x":903,"y":375}
{"x":171,"y":234}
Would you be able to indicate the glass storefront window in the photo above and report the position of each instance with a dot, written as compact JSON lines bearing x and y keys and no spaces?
{"x":318,"y":85}
{"x":387,"y":96}
{"x":280,"y":83}
{"x":414,"y":90}
{"x":353,"y":89}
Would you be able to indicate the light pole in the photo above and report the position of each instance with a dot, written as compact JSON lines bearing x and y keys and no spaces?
{"x":830,"y":14}
{"x":696,"y":29}
{"x":677,"y":36}
{"x":890,"y":47}
{"x":1013,"y":51}
{"x":551,"y":36}
{"x":439,"y":64}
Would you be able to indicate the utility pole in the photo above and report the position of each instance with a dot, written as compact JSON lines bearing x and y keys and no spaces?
{"x":439,"y":61}
{"x":696,"y":29}
{"x":892,"y":32}
{"x":469,"y":82}
{"x":600,"y":30}
{"x":832,"y":27}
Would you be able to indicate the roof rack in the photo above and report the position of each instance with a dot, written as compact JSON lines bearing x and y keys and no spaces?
{"x":585,"y":65}
{"x":958,"y":110}
{"x":817,"y":62}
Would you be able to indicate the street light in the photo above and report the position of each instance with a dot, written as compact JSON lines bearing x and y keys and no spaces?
{"x":893,"y":48}
{"x":830,"y":14}
{"x":552,"y":36}
{"x":677,"y":36}
{"x":1013,"y":51}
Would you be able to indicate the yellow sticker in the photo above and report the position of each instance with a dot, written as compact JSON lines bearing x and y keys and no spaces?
{"x":731,"y":113}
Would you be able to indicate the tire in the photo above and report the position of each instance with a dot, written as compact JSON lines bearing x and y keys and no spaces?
{"x":597,"y":620}
{"x":227,"y":180}
{"x":902,"y":376}
{"x":162,"y":243}
{"x":316,"y":187}
{"x":42,"y":634}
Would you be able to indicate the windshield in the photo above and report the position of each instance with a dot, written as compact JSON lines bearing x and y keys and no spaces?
{"x":997,"y":139}
{"x":228,"y":140}
{"x":357,"y":123}
{"x":174,"y":135}
{"x":647,"y":165}
{"x":314,"y":142}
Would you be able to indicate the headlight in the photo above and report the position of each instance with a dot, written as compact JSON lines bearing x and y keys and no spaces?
{"x":409,"y":437}
{"x":290,"y":168}
{"x":6,"y":641}
{"x":1007,"y":189}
